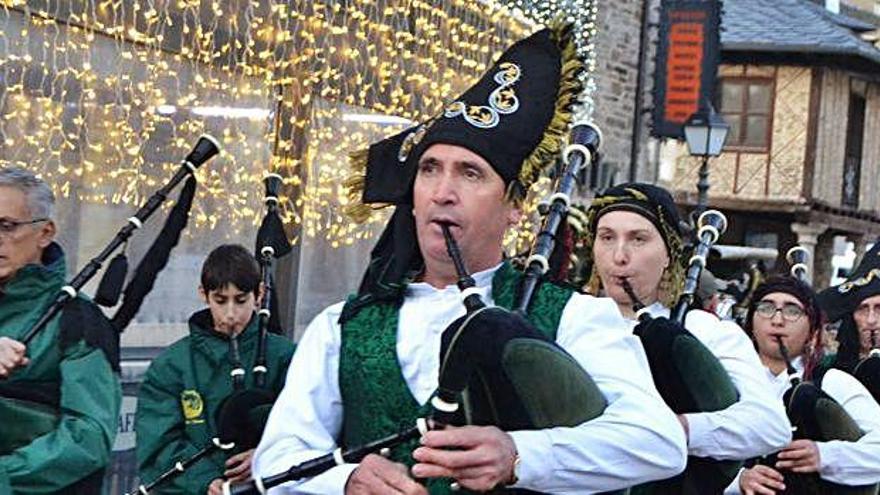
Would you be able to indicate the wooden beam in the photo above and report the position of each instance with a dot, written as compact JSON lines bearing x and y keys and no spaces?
{"x":837,"y":219}
{"x":812,"y":132}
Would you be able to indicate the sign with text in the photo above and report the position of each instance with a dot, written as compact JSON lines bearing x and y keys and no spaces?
{"x":688,"y":53}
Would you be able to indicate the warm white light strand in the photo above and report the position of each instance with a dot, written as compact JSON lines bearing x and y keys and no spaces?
{"x":103,"y":98}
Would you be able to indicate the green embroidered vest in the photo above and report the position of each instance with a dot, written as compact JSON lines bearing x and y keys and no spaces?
{"x":371,"y":380}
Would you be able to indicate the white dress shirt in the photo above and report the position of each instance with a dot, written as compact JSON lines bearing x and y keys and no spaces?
{"x":636,"y":439}
{"x":756,"y":424}
{"x":847,"y":463}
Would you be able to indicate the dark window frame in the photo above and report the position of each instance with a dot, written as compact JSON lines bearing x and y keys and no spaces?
{"x":854,"y":140}
{"x":744,"y":113}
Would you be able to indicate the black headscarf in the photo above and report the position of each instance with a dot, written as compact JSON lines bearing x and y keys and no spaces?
{"x":656,"y":205}
{"x":807,"y":297}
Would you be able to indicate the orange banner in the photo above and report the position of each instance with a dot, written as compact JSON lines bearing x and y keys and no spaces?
{"x":684,"y":70}
{"x":688,"y":54}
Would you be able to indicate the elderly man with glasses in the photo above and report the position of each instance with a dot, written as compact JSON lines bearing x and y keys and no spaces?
{"x":59,"y":394}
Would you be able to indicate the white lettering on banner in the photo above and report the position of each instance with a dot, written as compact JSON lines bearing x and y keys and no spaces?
{"x":125,"y":438}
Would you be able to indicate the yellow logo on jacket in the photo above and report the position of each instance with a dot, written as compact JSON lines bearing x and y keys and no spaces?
{"x":192,"y":405}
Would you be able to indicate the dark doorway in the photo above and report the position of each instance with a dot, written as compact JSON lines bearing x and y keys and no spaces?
{"x":852,"y":160}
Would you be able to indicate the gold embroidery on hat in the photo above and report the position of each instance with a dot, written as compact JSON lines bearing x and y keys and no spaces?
{"x":502,"y":101}
{"x":411,"y":141}
{"x":859,"y":282}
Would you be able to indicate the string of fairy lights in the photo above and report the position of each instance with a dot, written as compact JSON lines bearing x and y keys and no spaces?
{"x":104,"y":97}
{"x":583,"y":14}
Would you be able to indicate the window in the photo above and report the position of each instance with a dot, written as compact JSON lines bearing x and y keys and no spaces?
{"x":852,"y":158}
{"x":747,"y":105}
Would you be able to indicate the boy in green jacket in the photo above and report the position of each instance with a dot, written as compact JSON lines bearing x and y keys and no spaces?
{"x":186,"y":384}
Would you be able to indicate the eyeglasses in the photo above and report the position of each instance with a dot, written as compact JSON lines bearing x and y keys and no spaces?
{"x":790,"y":311}
{"x":8,"y":227}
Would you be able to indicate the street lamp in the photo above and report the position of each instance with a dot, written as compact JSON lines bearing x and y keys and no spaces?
{"x":705,"y":132}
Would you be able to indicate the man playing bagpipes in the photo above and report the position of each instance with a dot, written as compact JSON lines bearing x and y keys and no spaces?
{"x":187,"y":384}
{"x":856,"y":304}
{"x":69,"y":368}
{"x":634,"y":231}
{"x":785,"y":321}
{"x":367,"y":368}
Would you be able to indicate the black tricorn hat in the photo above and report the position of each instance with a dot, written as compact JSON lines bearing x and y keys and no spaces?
{"x":516,"y":117}
{"x":843,"y":299}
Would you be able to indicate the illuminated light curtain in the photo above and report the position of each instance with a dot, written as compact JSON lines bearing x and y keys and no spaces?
{"x":104,"y":97}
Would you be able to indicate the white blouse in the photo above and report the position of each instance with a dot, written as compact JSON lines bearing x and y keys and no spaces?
{"x":756,"y":424}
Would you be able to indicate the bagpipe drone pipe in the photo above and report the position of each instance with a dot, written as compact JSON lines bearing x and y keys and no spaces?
{"x":687,"y":374}
{"x":813,"y":414}
{"x":241,"y":417}
{"x":496,"y":368}
{"x":507,"y":372}
{"x":35,"y":411}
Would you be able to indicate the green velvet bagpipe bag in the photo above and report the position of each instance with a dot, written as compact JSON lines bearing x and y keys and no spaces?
{"x":23,"y":421}
{"x":690,"y":379}
{"x":511,"y":376}
{"x":816,"y":416}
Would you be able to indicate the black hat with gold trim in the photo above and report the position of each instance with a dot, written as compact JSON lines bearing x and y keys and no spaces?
{"x":841,"y":300}
{"x":515,"y":117}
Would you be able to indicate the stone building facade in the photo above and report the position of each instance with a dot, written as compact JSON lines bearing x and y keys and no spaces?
{"x":799,"y":88}
{"x":624,"y":65}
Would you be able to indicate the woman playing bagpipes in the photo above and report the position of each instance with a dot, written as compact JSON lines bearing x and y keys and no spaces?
{"x":785,"y":321}
{"x":638,"y":261}
{"x":367,"y":368}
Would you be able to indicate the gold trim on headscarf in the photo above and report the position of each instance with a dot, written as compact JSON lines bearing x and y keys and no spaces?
{"x":672,"y":280}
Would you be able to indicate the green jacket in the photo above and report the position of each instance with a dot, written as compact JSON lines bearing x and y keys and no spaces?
{"x":74,"y":379}
{"x":180,"y":395}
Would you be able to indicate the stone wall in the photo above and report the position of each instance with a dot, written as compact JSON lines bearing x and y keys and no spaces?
{"x":617,"y":53}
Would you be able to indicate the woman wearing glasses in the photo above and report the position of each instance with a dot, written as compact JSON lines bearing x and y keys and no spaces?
{"x":785,"y":308}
